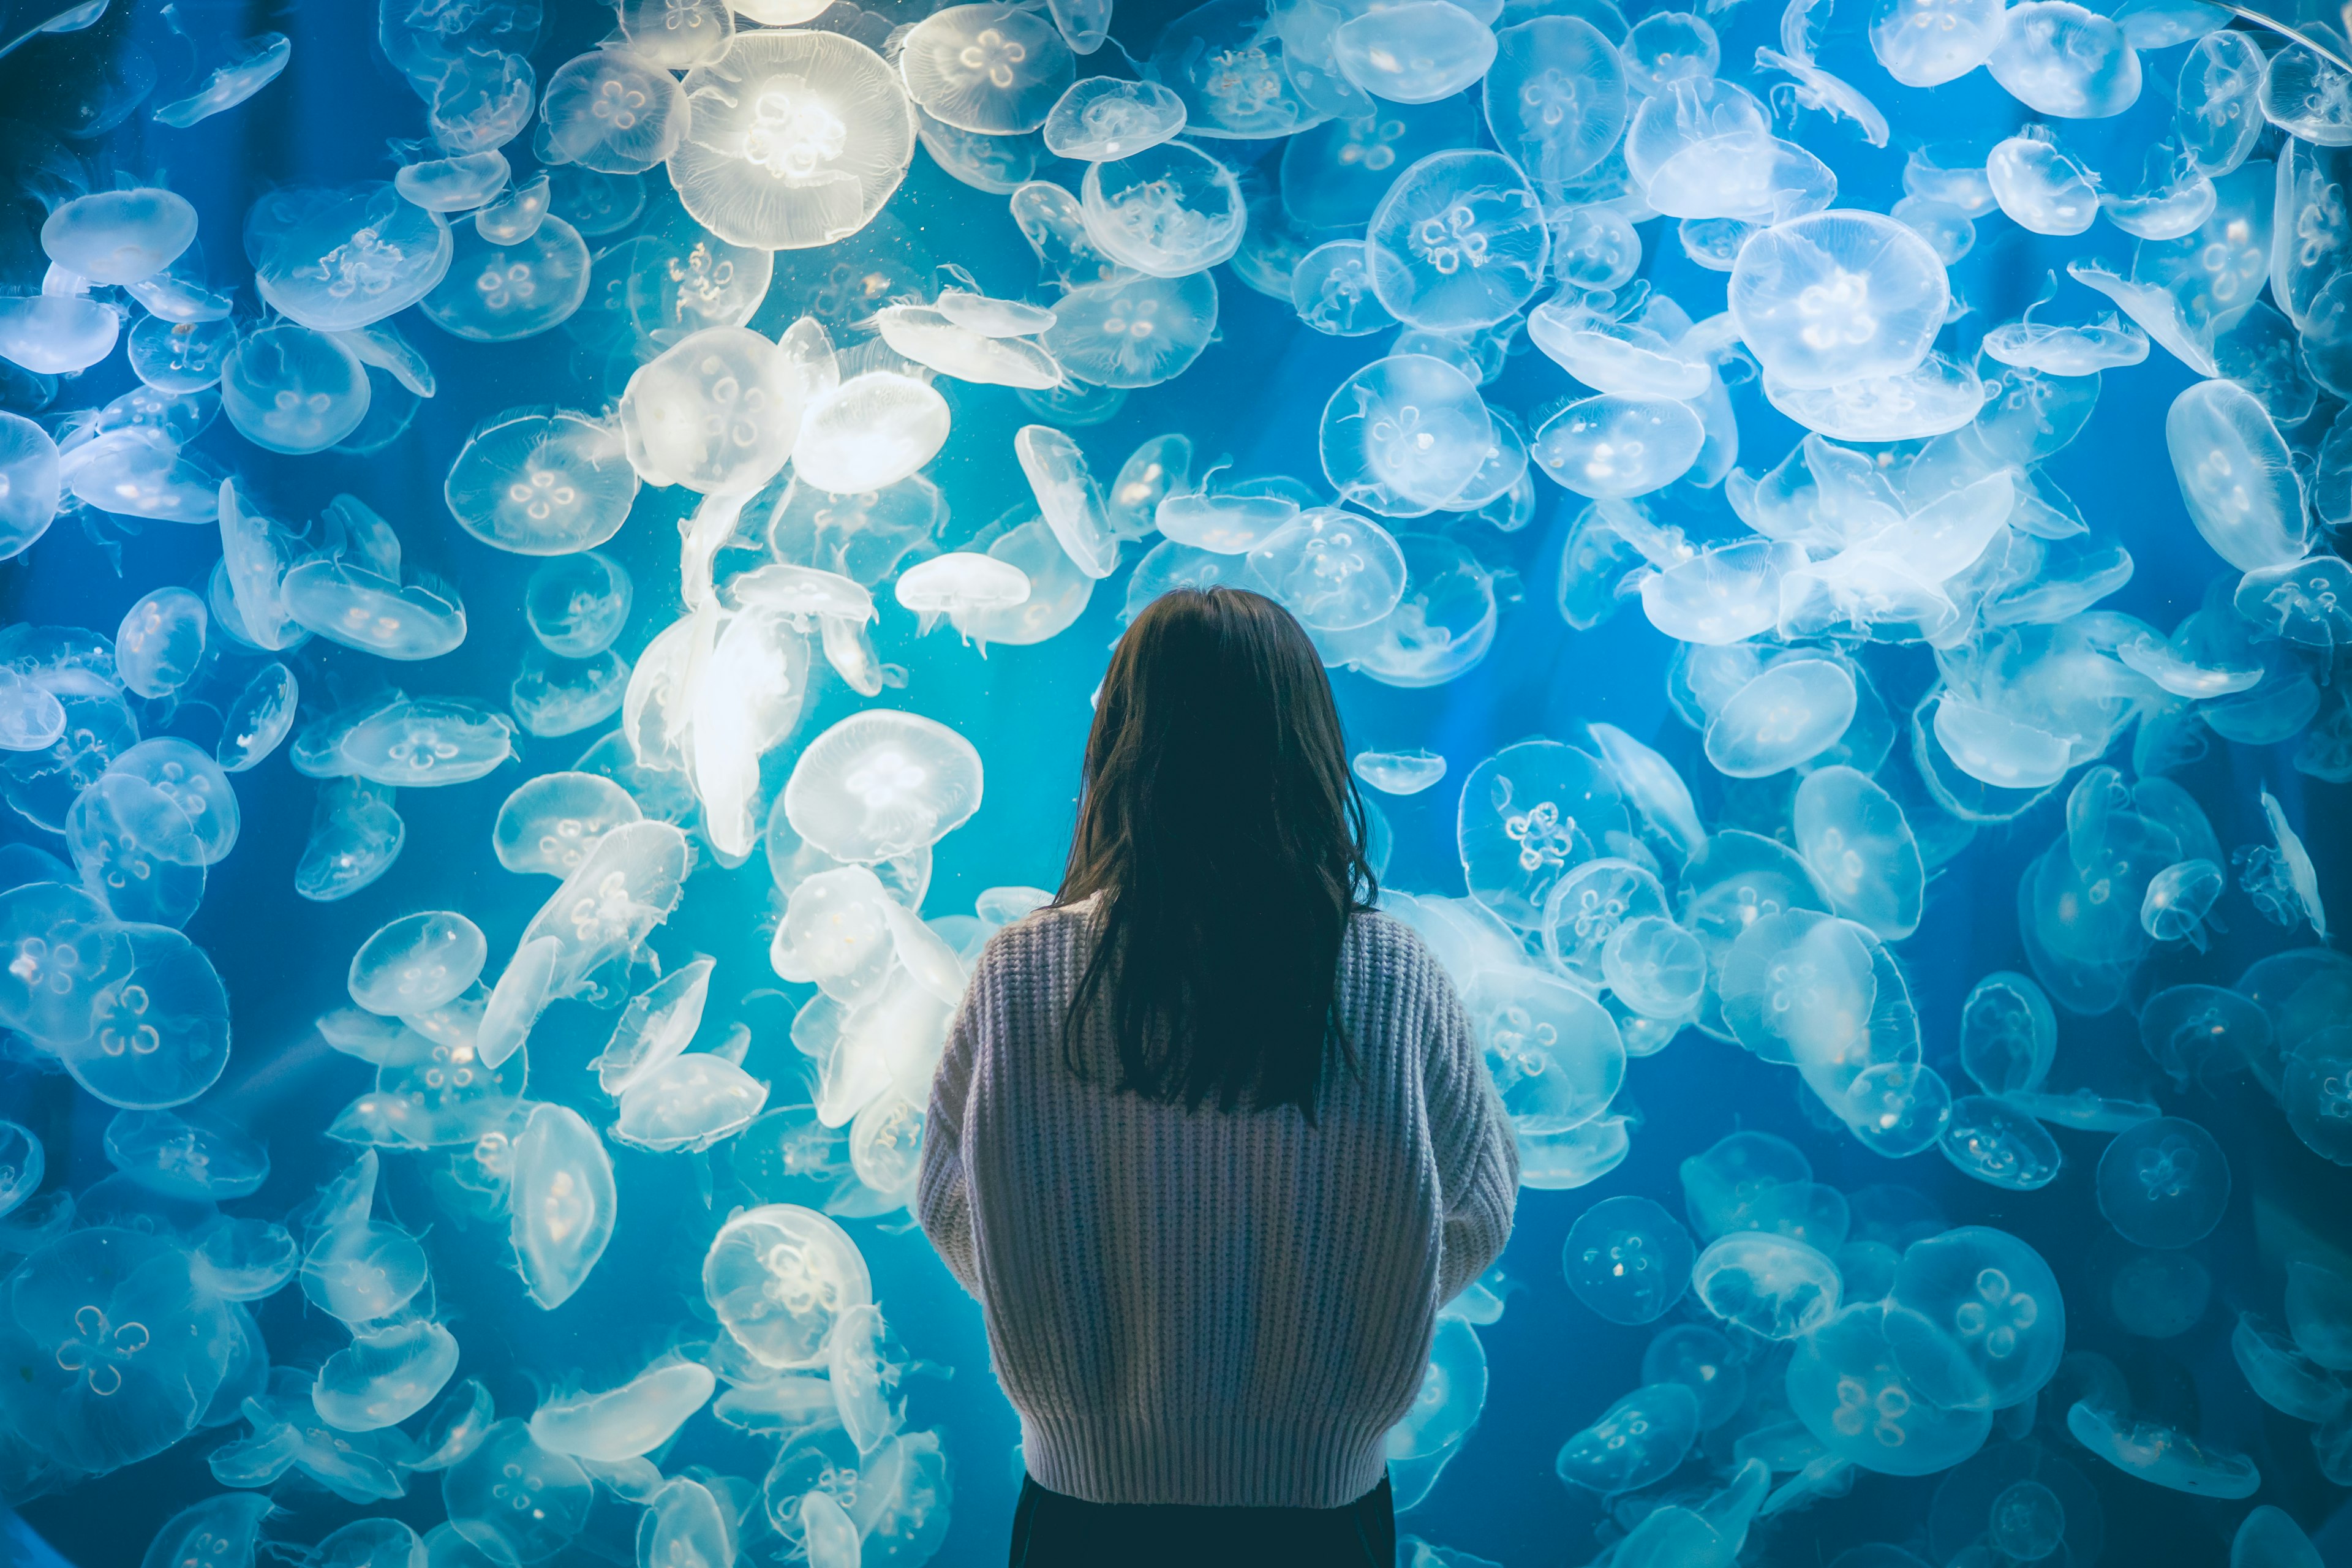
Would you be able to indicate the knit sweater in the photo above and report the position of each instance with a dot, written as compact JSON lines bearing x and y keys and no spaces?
{"x":1207,"y":1307}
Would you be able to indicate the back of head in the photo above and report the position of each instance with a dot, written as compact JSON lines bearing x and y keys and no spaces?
{"x":1224,"y":835}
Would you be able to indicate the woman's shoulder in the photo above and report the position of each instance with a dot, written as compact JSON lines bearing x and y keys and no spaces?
{"x":1046,"y":930}
{"x":1378,"y":941}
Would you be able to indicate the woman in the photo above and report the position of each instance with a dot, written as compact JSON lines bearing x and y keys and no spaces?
{"x":1211,"y":1142}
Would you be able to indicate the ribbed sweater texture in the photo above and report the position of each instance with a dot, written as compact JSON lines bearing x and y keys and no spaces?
{"x":1206,"y":1307}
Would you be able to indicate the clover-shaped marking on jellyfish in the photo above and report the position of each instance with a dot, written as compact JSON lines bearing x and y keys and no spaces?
{"x":1845,"y":1384}
{"x":614,"y":111}
{"x":2163,"y":1182}
{"x":289,"y":389}
{"x":1983,"y":1325}
{"x":513,"y":1500}
{"x":718,"y":412}
{"x":1459,"y":241}
{"x":1628,"y":1259}
{"x":1637,"y":1441}
{"x":542,"y":482}
{"x":778,"y":1278}
{"x":880,"y":783}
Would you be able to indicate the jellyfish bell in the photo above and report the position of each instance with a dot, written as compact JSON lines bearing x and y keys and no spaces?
{"x":795,"y":139}
{"x":991,"y":68}
{"x":1459,"y":241}
{"x":1128,"y":331}
{"x":289,"y":389}
{"x":613,"y":110}
{"x":870,"y":433}
{"x":1838,"y":296}
{"x":335,"y":260}
{"x":1164,"y":211}
{"x":1405,"y":435}
{"x":542,"y":481}
{"x":120,"y":236}
{"x":719,"y":413}
{"x":1103,"y":118}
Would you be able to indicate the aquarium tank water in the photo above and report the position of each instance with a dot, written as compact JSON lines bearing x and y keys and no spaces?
{"x":558,"y":554}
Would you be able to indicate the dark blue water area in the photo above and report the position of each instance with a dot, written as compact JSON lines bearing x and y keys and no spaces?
{"x":1257,"y":395}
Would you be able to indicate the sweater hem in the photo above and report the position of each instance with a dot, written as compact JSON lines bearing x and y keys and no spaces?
{"x":1285,"y":1464}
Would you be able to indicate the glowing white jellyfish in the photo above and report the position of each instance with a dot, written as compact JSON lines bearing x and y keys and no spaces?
{"x":563,"y":1203}
{"x":161,"y":641}
{"x":1417,"y":52}
{"x":289,"y":389}
{"x":120,"y":236}
{"x":870,"y":432}
{"x":348,"y":604}
{"x":880,"y":783}
{"x":29,"y":486}
{"x":932,"y":339}
{"x":717,"y":413}
{"x":1837,"y":297}
{"x":1165,"y":211}
{"x":542,"y":482}
{"x":2060,"y":59}
{"x":613,"y":111}
{"x":499,"y":289}
{"x":2041,"y":186}
{"x":991,"y":68}
{"x":1617,"y":446}
{"x":422,"y":741}
{"x":159,"y":1033}
{"x":2236,"y":475}
{"x":1405,"y":435}
{"x":1068,"y":496}
{"x":1333,"y":570}
{"x":795,"y":139}
{"x":1926,"y":43}
{"x":1133,"y":331}
{"x":337,"y":260}
{"x":779,"y":1277}
{"x":1458,"y":241}
{"x":1103,"y":118}
{"x":417,"y":962}
{"x":622,"y":1423}
{"x":577,"y":604}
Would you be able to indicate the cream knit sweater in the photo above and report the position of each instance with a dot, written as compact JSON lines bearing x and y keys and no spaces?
{"x":1200,"y":1307}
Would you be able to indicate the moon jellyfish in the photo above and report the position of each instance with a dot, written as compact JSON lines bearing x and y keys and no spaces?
{"x":1847,"y":1386}
{"x":989,"y":68}
{"x":613,"y":110}
{"x":1788,"y":714}
{"x":2161,"y":1454}
{"x":1855,"y":836}
{"x":161,"y":641}
{"x":1529,"y":815}
{"x":1976,"y":1321}
{"x":779,"y":1278}
{"x":870,"y":432}
{"x":221,"y":1531}
{"x":930,"y":337}
{"x":289,"y":389}
{"x":512,"y":1500}
{"x":795,"y":139}
{"x":159,"y":1033}
{"x":2242,"y":492}
{"x":623,"y":1423}
{"x":120,"y":236}
{"x":542,"y":482}
{"x":420,"y":742}
{"x":577,"y":604}
{"x":2270,"y":1538}
{"x":880,"y":783}
{"x":417,"y":962}
{"x":168,"y":1153}
{"x":1556,"y":1055}
{"x":2041,"y":186}
{"x":717,"y":413}
{"x":1555,"y":98}
{"x":1417,"y":52}
{"x":1769,"y":1285}
{"x":961,"y":583}
{"x":1399,"y":772}
{"x":563,"y":1203}
{"x":2164,"y":1184}
{"x":1927,"y":43}
{"x":336,"y":260}
{"x":1459,"y":241}
{"x":688,"y":1102}
{"x":29,"y":485}
{"x":385,"y":1376}
{"x":1838,"y":296}
{"x":1166,"y":211}
{"x":1615,"y":446}
{"x":1333,"y":570}
{"x":21,"y":1162}
{"x":1655,"y":967}
{"x":551,"y":822}
{"x":1405,"y":435}
{"x":136,"y":848}
{"x":2059,"y":60}
{"x":499,"y":291}
{"x":1998,"y":1144}
{"x":1133,"y":332}
{"x":1637,"y":1442}
{"x":1331,"y":289}
{"x":1068,"y":496}
{"x":346,"y":603}
{"x":1628,"y":1259}
{"x":1102,"y":118}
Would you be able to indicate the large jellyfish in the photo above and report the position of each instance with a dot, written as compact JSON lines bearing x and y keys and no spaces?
{"x":1165,"y":211}
{"x":159,"y":1033}
{"x":1103,"y":118}
{"x":779,"y":1278}
{"x":1838,"y":296}
{"x":1405,"y":435}
{"x":542,"y":482}
{"x":513,"y":1501}
{"x":1554,"y":97}
{"x":2060,"y":59}
{"x":1128,"y":331}
{"x":290,"y":389}
{"x":871,"y":432}
{"x":1637,"y":1442}
{"x":336,"y":260}
{"x":613,"y":110}
{"x":718,"y":413}
{"x":1416,"y":52}
{"x":563,"y":1203}
{"x":1529,"y":815}
{"x":880,"y":783}
{"x":623,"y":1423}
{"x":1982,"y":1325}
{"x":1847,"y":1385}
{"x":1458,"y":242}
{"x":2241,"y":489}
{"x":2165,"y":1183}
{"x":120,"y":236}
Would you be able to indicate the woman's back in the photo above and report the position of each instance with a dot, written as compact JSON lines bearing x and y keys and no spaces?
{"x":1204,"y":1306}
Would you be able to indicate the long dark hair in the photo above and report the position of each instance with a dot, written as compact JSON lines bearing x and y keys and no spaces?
{"x":1224,"y":837}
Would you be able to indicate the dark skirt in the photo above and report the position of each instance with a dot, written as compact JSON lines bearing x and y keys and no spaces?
{"x":1050,"y":1531}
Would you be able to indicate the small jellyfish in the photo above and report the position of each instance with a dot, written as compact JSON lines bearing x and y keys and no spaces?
{"x":417,"y":962}
{"x":1459,"y":241}
{"x":961,"y":583}
{"x":795,"y":139}
{"x":289,"y":389}
{"x":2235,"y":474}
{"x":688,"y":1102}
{"x":1655,"y":967}
{"x":1628,"y":1259}
{"x":1068,"y":496}
{"x":613,"y":110}
{"x":161,"y":642}
{"x":384,"y":1376}
{"x":2009,"y":1036}
{"x":120,"y":236}
{"x":1399,"y":772}
{"x":1927,"y":43}
{"x":2163,"y":1182}
{"x":1529,"y":815}
{"x":1769,"y":1285}
{"x":21,"y":1162}
{"x":1333,"y":570}
{"x":1417,"y":52}
{"x":623,"y":1423}
{"x":1555,"y":98}
{"x":136,"y":848}
{"x":422,"y":742}
{"x":56,"y":335}
{"x":989,"y":68}
{"x":551,"y":822}
{"x":259,"y":62}
{"x":346,"y":603}
{"x":1848,"y":1387}
{"x":1405,"y":435}
{"x":221,"y":1531}
{"x":168,"y":1153}
{"x":356,"y":835}
{"x":2060,"y":59}
{"x":1838,"y":296}
{"x":501,"y":290}
{"x":29,"y":487}
{"x":1999,"y":1145}
{"x":1702,"y":1361}
{"x":1331,"y":289}
{"x":563,"y":1204}
{"x":2161,"y":1454}
{"x":159,"y":1032}
{"x":1453,"y":1392}
{"x":1132,"y":331}
{"x":2043,"y":187}
{"x":1855,"y":836}
{"x":1637,"y":1442}
{"x":542,"y":482}
{"x":577,"y":604}
{"x":1789,"y":714}
{"x":1102,"y":118}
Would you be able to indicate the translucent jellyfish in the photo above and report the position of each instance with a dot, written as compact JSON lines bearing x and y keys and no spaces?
{"x":961,"y":583}
{"x":1846,"y":1385}
{"x":1769,"y":1285}
{"x":1556,"y":1055}
{"x":2059,"y":60}
{"x":1238,"y":73}
{"x":56,"y":335}
{"x":417,"y":962}
{"x":21,"y":1162}
{"x":1166,"y":211}
{"x":1331,"y":288}
{"x":1555,"y":98}
{"x":870,"y":432}
{"x":356,"y":835}
{"x":418,"y":743}
{"x":499,"y":291}
{"x":2041,"y":186}
{"x":362,"y":1271}
{"x":1638,"y":1441}
{"x":1722,"y":594}
{"x":577,"y":604}
{"x":1980,"y":1324}
{"x":136,"y":848}
{"x":1702,"y":1361}
{"x":2232,"y":465}
{"x":161,"y":641}
{"x":880,"y":783}
{"x":542,"y":482}
{"x":678,"y":34}
{"x":1529,"y":815}
{"x":796,"y":139}
{"x":1655,"y":967}
{"x":717,"y":413}
{"x":930,"y":337}
{"x":2317,"y":1093}
{"x":2163,"y":1184}
{"x":120,"y":236}
{"x":656,"y":1027}
{"x":1926,"y":43}
{"x":563,"y":1203}
{"x":1417,"y":52}
{"x":2319,"y":1314}
{"x":1399,"y":772}
{"x":688,"y":1102}
{"x":2270,"y":1538}
{"x":1405,"y":435}
{"x":346,"y":603}
{"x":29,"y":487}
{"x":627,"y":884}
{"x":385,"y":1376}
{"x":1333,"y":570}
{"x":988,"y":68}
{"x":1102,"y":118}
{"x":1788,"y":714}
{"x":289,"y":389}
{"x":1133,"y":332}
{"x":613,"y":110}
{"x":550,"y":824}
{"x":1458,"y":242}
{"x":514,"y":1501}
{"x":2281,"y":1375}
{"x":335,"y":260}
{"x":1068,"y":496}
{"x":623,"y":1423}
{"x":1586,"y":907}
{"x":1999,"y":1145}
{"x":1453,"y":1392}
{"x":159,"y":1032}
{"x":1837,"y":297}
{"x":1628,"y":1259}
{"x":1614,"y":445}
{"x":2160,"y":1454}
{"x":779,"y":1277}
{"x":1855,"y":836}
{"x":221,"y":1531}
{"x":2009,"y":1036}
{"x":2180,"y":899}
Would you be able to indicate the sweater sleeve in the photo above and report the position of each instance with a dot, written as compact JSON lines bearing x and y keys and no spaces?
{"x":942,"y":1199}
{"x":1477,"y":1155}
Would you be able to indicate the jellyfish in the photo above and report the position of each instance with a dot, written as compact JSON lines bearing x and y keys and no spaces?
{"x":1927,"y":43}
{"x":29,"y":485}
{"x":930,"y":337}
{"x":1614,"y":445}
{"x":988,"y":68}
{"x":576,"y":605}
{"x":563,"y":1204}
{"x":417,"y":962}
{"x":836,"y":934}
{"x":1459,"y":241}
{"x":1165,"y":212}
{"x":1103,"y":118}
{"x":161,"y":641}
{"x":221,"y":1531}
{"x":335,"y":260}
{"x":2302,"y":877}
{"x":655,"y":1027}
{"x":1331,"y":289}
{"x":356,"y":835}
{"x":626,"y":885}
{"x":623,"y":1423}
{"x":1414,"y":53}
{"x":1998,"y":1144}
{"x":1453,"y":1392}
{"x":2043,"y":187}
{"x":870,"y":433}
{"x":1722,"y":1185}
{"x":136,"y":848}
{"x":2059,"y":60}
{"x":1068,"y":496}
{"x":880,"y":783}
{"x":1975,"y":1319}
{"x":550,"y":824}
{"x":779,"y":1277}
{"x":348,"y":604}
{"x":385,"y":1376}
{"x":1556,"y":1055}
{"x":2158,"y":1452}
{"x":2269,"y":1538}
{"x":688,"y":1102}
{"x":289,"y":389}
{"x":1629,"y":1261}
{"x":512,"y":1500}
{"x":1555,"y":98}
{"x":22,"y":1162}
{"x":1847,"y":1385}
{"x":795,"y":138}
{"x":1130,"y":330}
{"x":1399,"y":772}
{"x":363,"y":1271}
{"x":1771,"y":1286}
{"x":1787,"y":715}
{"x":2281,"y":1375}
{"x":1637,"y":1442}
{"x":1855,"y":836}
{"x":2217,"y":114}
{"x":2242,"y":492}
{"x":542,"y":482}
{"x":453,"y":184}
{"x":613,"y":110}
{"x":2163,"y":1182}
{"x":2319,"y":1314}
{"x":1529,"y":815}
{"x":159,"y":1032}
{"x":1405,"y":435}
{"x":425,"y":742}
{"x":1702,"y":1361}
{"x":1836,"y":297}
{"x":499,"y":291}
{"x":719,"y":413}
